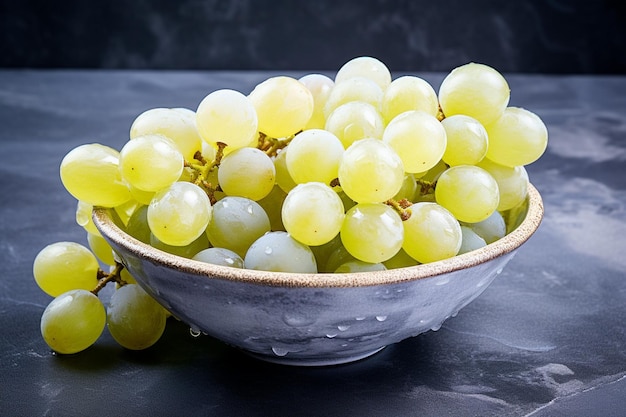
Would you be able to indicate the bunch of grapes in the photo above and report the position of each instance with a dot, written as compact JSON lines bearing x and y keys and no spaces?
{"x":310,"y":175}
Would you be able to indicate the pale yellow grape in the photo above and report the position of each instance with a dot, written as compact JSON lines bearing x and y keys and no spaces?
{"x":431,"y":233}
{"x":219,"y":256}
{"x":137,"y":225}
{"x":372,"y":232}
{"x":279,"y":252}
{"x":187,"y":251}
{"x":283,"y":104}
{"x":91,"y":174}
{"x":491,"y":229}
{"x":125,"y":210}
{"x":408,"y":189}
{"x":141,"y":196}
{"x":151,"y":163}
{"x":247,"y":172}
{"x":367,"y":67}
{"x":101,"y":248}
{"x":83,"y":217}
{"x":134,"y":319}
{"x":354,"y":89}
{"x":178,"y":125}
{"x":470,"y":193}
{"x":283,"y":177}
{"x":409,"y":93}
{"x":314,"y":155}
{"x":355,"y":120}
{"x":418,"y":138}
{"x":370,"y":171}
{"x":64,"y":266}
{"x":359,"y":266}
{"x":319,"y":85}
{"x":178,"y":215}
{"x":227,"y":116}
{"x":476,"y":90}
{"x":471,"y":241}
{"x":313,"y":213}
{"x":512,"y":183}
{"x":73,"y":321}
{"x":518,"y":137}
{"x":467,"y":140}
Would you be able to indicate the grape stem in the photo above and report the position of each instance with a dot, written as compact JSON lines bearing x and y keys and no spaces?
{"x":113,"y":276}
{"x":426,"y":187}
{"x":271,"y":145}
{"x":401,"y":207}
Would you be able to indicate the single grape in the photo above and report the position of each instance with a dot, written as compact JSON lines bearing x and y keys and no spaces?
{"x":91,"y":174}
{"x":283,"y":177}
{"x":400,"y":260}
{"x":247,"y":172}
{"x":372,"y":232}
{"x":236,"y":223}
{"x":470,"y":193}
{"x":476,"y":90}
{"x":137,"y":225}
{"x":418,"y":138}
{"x":141,"y":196}
{"x":314,"y":155}
{"x":134,"y":319}
{"x":319,"y":85}
{"x":355,"y":120}
{"x":279,"y":252}
{"x":370,"y":171}
{"x":518,"y":137}
{"x":408,"y":189}
{"x":101,"y":248}
{"x":64,"y":266}
{"x":359,"y":266}
{"x":151,"y":163}
{"x":186,"y":251}
{"x":471,"y":241}
{"x":227,"y":116}
{"x":73,"y":321}
{"x":431,"y":233}
{"x":409,"y":93}
{"x":512,"y":183}
{"x":219,"y":256}
{"x":283,"y":104}
{"x":313,"y":213}
{"x":366,"y":67}
{"x":354,"y":89}
{"x":467,"y":140}
{"x":336,"y":257}
{"x":178,"y":125}
{"x":178,"y":215}
{"x":490,"y":229}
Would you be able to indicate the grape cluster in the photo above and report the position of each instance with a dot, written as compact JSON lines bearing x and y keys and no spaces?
{"x":310,"y":175}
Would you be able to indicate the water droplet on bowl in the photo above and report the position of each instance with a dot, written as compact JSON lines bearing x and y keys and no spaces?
{"x":297,"y":319}
{"x":194,"y":332}
{"x":381,"y":318}
{"x":279,"y":351}
{"x":331,"y":335}
{"x":343,"y":328}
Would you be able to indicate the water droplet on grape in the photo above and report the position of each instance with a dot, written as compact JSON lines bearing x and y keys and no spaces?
{"x":268,"y":250}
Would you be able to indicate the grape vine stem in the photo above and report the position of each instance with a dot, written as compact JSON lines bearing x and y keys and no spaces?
{"x":113,"y":276}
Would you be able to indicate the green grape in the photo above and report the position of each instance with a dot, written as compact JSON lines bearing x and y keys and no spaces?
{"x":236,"y":223}
{"x":400,"y":260}
{"x":178,"y":215}
{"x":418,"y":138}
{"x":518,"y":137}
{"x":73,"y":321}
{"x":64,"y":266}
{"x":355,"y":120}
{"x":490,"y":229}
{"x":283,"y":177}
{"x":227,"y":116}
{"x":151,"y":163}
{"x":125,"y":210}
{"x":471,"y":241}
{"x":125,"y":275}
{"x":323,"y":252}
{"x":467,"y":140}
{"x":336,"y":257}
{"x":354,"y":89}
{"x":359,"y":266}
{"x":372,"y":232}
{"x":512,"y":183}
{"x":470,"y":193}
{"x":273,"y":204}
{"x":186,"y":251}
{"x":283,"y":104}
{"x":83,"y":217}
{"x":313,"y":213}
{"x":219,"y":256}
{"x":279,"y":252}
{"x":366,"y":67}
{"x":431,"y":233}
{"x":134,"y":319}
{"x":91,"y":174}
{"x":314,"y":155}
{"x":408,"y":188}
{"x":247,"y":172}
{"x":137,"y":225}
{"x":409,"y":93}
{"x":141,"y":196}
{"x":101,"y":248}
{"x":370,"y":171}
{"x":475,"y":90}
{"x":319,"y":85}
{"x":178,"y":125}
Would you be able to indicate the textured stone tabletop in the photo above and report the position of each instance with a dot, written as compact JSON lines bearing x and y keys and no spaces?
{"x":547,"y":338}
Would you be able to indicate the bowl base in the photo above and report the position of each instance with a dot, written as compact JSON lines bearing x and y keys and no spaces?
{"x":286,"y":360}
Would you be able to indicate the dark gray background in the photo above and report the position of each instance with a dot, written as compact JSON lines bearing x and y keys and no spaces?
{"x":540,"y":36}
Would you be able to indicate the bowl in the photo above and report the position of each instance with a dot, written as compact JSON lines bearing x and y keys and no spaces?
{"x":318,"y":319}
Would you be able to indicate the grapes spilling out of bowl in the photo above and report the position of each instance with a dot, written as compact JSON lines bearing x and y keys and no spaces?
{"x":310,"y":175}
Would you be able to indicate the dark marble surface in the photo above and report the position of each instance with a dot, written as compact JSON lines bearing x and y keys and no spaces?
{"x":547,"y":338}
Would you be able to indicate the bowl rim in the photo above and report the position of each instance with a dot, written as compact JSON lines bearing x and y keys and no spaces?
{"x":513,"y":240}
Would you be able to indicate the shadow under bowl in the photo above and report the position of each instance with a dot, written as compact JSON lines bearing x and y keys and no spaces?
{"x":317,"y":319}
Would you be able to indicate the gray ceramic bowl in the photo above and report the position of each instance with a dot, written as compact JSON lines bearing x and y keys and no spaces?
{"x":317,"y":319}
